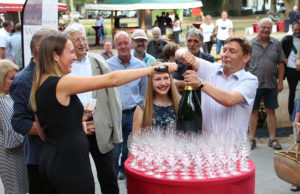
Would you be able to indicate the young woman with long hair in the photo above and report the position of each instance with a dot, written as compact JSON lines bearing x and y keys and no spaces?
{"x":160,"y":105}
{"x":64,"y":161}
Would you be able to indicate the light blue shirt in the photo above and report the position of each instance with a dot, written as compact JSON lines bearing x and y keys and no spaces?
{"x":217,"y":116}
{"x":148,"y":59}
{"x":100,"y":22}
{"x":83,"y":68}
{"x":16,"y":44}
{"x":131,"y":93}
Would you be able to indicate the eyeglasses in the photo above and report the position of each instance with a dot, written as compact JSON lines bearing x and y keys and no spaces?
{"x":77,"y":40}
{"x":140,"y":40}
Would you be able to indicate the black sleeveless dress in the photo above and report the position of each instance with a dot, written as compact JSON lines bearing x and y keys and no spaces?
{"x":64,"y":161}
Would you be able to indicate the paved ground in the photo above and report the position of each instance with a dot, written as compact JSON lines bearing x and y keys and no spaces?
{"x":266,"y":181}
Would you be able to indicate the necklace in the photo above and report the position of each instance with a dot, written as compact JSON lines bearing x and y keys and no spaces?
{"x":158,"y":103}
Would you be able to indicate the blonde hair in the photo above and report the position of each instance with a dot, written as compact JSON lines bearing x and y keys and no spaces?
{"x":46,"y":63}
{"x":5,"y":67}
{"x":149,"y":99}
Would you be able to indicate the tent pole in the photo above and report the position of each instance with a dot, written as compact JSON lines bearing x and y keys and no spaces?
{"x":112,"y":23}
{"x":19,"y":17}
{"x":143,"y":18}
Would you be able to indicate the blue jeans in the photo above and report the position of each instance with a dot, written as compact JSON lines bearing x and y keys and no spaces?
{"x":127,"y":120}
{"x":176,"y":36}
{"x":101,"y":33}
{"x":220,"y":43}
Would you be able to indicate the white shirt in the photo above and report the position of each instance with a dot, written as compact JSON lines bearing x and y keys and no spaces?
{"x":100,"y":22}
{"x":4,"y":43}
{"x":207,"y":31}
{"x":223,"y":28}
{"x":293,"y":55}
{"x":217,"y":116}
{"x":83,"y":68}
{"x":176,"y":28}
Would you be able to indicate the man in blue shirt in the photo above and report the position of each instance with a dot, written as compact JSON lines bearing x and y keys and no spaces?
{"x":23,"y":118}
{"x":100,"y":22}
{"x":130,"y":93}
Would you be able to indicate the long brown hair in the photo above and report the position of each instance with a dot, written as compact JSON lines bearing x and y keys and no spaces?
{"x":46,"y":63}
{"x":149,"y":99}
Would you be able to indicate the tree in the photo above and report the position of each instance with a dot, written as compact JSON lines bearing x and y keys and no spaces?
{"x":273,"y":6}
{"x":289,"y":4}
{"x":264,"y":6}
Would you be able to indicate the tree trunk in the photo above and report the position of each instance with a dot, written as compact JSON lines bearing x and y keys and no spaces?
{"x":273,"y":6}
{"x":224,"y":5}
{"x":264,"y":6}
{"x":289,"y":4}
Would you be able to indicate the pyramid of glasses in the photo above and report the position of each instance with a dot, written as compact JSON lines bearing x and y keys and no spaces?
{"x":175,"y":155}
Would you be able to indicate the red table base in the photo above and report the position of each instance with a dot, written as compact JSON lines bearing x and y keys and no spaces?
{"x":140,"y":183}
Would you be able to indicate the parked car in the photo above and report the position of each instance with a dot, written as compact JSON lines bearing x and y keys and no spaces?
{"x":132,"y":14}
{"x":77,"y":15}
{"x":91,"y":15}
{"x":105,"y":13}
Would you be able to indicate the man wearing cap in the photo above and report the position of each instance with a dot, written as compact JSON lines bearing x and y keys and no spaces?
{"x":139,"y":42}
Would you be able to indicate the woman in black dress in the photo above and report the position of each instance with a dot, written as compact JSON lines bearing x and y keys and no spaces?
{"x":64,"y":161}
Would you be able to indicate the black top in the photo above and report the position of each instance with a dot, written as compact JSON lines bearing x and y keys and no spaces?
{"x":55,"y":119}
{"x":156,"y":49}
{"x":182,"y":68}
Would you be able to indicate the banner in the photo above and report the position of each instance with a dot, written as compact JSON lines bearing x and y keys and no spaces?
{"x":37,"y":14}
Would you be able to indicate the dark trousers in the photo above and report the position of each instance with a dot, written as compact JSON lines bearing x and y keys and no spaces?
{"x":127,"y":119}
{"x":176,"y":36}
{"x":105,"y":168}
{"x":293,"y":77}
{"x":207,"y":47}
{"x":35,"y":180}
{"x":220,"y":43}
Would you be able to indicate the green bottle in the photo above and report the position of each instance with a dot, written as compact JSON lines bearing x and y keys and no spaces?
{"x":189,"y":116}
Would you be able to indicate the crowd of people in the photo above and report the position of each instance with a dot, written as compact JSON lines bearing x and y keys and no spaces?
{"x":48,"y":129}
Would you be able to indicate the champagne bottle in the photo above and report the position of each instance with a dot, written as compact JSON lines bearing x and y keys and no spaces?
{"x":189,"y":117}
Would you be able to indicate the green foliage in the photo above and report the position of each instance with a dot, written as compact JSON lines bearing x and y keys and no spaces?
{"x":246,"y":12}
{"x":234,"y":12}
{"x":212,"y":7}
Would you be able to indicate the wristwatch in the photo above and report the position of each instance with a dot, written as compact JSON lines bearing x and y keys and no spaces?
{"x":203,"y":83}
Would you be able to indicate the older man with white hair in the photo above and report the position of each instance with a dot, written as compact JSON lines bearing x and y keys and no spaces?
{"x":267,"y":63}
{"x":131,"y":93}
{"x":156,"y":45}
{"x":104,"y":129}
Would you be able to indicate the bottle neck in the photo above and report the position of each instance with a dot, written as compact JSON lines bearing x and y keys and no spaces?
{"x":189,"y":88}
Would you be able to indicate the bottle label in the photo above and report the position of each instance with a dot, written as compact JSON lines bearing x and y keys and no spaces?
{"x":188,"y":88}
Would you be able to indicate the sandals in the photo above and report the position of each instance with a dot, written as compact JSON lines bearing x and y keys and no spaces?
{"x":295,"y":188}
{"x":274,"y":144}
{"x":253,"y":143}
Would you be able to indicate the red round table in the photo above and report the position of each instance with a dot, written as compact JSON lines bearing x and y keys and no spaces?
{"x":140,"y":183}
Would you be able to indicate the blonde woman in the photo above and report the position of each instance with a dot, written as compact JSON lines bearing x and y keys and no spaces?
{"x":64,"y":161}
{"x":13,"y":172}
{"x":207,"y":28}
{"x":160,"y":105}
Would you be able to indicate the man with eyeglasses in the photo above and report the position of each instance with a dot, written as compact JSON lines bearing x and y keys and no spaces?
{"x":139,"y":42}
{"x":267,"y":63}
{"x":104,"y":129}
